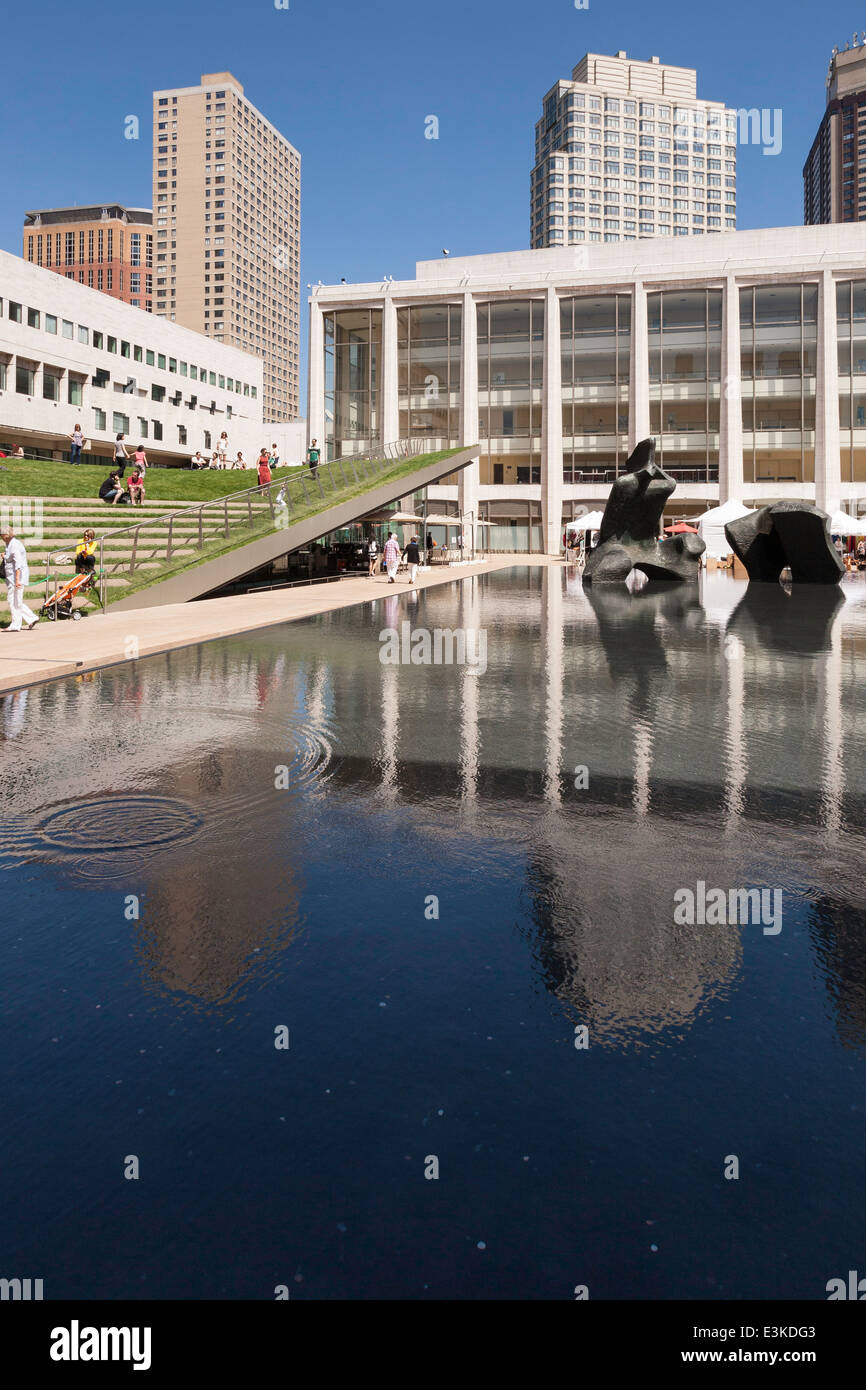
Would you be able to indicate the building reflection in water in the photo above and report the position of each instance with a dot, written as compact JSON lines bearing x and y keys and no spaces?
{"x":677,"y":703}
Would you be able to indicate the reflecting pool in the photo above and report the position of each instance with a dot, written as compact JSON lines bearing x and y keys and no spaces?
{"x":452,"y":890}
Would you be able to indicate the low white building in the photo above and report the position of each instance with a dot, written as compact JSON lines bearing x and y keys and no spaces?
{"x":70,"y":355}
{"x":743,"y":354}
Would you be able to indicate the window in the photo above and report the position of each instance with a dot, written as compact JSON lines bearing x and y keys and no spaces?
{"x":157,"y":393}
{"x":183,"y":369}
{"x":14,"y":311}
{"x":32,"y":318}
{"x":73,"y":391}
{"x":137,"y":353}
{"x":112,"y":344}
{"x":98,"y":418}
{"x":160,"y":360}
{"x":125,"y":349}
{"x":172,"y":364}
{"x":83,"y":334}
{"x":51,"y":323}
{"x":149,"y":357}
{"x":142,"y":427}
{"x":24,"y":377}
{"x":97,"y":339}
{"x":120,"y":423}
{"x":67,"y":329}
{"x":50,"y":385}
{"x":157,"y":429}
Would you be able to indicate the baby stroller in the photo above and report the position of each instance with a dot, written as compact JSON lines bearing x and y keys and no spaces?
{"x":60,"y":604}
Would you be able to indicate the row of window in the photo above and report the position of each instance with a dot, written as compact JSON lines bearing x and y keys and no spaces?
{"x":109,"y":343}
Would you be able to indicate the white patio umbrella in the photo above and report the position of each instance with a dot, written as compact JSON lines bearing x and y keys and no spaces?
{"x":591,"y":522}
{"x":711,"y":526}
{"x":843,"y":524}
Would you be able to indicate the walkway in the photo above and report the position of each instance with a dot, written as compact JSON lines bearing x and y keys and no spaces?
{"x":106,"y":639}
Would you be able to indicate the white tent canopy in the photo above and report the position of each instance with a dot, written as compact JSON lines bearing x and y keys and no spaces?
{"x":711,"y":526}
{"x":841,"y":524}
{"x":591,"y":522}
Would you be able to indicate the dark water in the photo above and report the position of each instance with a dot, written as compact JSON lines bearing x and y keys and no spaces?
{"x":723,"y":741}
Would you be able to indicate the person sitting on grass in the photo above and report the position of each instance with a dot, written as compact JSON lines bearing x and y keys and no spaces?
{"x":85,"y":553}
{"x":111,"y":490}
{"x":135,"y":483}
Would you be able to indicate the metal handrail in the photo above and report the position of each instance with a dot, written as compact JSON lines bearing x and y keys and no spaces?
{"x":276,"y":493}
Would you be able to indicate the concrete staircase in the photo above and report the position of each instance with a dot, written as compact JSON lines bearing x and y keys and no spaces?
{"x":164,"y":552}
{"x":63,"y":522}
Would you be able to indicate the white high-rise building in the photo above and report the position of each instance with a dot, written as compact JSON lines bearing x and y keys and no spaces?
{"x":625,"y":150}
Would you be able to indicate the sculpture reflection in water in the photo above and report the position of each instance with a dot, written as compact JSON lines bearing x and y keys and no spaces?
{"x":630,"y":528}
{"x":800,"y":622}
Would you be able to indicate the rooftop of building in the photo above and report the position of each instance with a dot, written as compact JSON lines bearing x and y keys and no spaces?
{"x":776,"y":250}
{"x":847,"y":70}
{"x":90,"y":212}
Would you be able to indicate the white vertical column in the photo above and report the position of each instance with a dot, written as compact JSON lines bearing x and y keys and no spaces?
{"x":470,"y":477}
{"x":831,"y":716}
{"x":389,"y":425}
{"x":316,"y":378}
{"x":554,"y":694}
{"x":731,"y":404}
{"x":639,"y":413}
{"x":551,"y":431}
{"x":828,"y":467}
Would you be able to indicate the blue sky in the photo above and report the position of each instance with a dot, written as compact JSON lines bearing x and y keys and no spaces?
{"x":350,"y":84}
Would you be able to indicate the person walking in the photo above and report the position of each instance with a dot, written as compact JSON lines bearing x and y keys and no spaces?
{"x":412,"y":556}
{"x":140,"y":459}
{"x":17,"y":578}
{"x":275,"y":458}
{"x":77,"y":444}
{"x":121,"y":455}
{"x":313,"y":456}
{"x":372,"y":555}
{"x":392,"y":557}
{"x":264,"y":467}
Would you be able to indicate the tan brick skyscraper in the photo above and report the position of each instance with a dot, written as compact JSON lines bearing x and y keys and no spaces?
{"x":227,"y":228}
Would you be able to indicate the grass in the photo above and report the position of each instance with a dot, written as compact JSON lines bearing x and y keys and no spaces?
{"x":25,"y":478}
{"x":50,"y":479}
{"x":243,"y":534}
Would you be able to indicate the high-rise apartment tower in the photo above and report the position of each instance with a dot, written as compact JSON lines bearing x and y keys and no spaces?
{"x":626,"y":149}
{"x":106,"y":246}
{"x":227,"y":224}
{"x":834,"y":175}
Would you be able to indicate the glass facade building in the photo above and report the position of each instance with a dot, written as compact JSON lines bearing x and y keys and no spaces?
{"x":353,"y":343}
{"x":685,"y":363}
{"x":747,"y":367}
